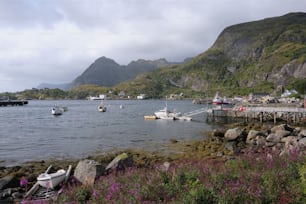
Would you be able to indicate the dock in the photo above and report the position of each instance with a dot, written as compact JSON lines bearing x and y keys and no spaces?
{"x":13,"y":102}
{"x":293,"y":115}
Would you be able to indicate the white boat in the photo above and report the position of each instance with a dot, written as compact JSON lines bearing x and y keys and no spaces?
{"x":101,"y":107}
{"x":100,"y":97}
{"x":56,"y":110}
{"x":218,"y":100}
{"x":166,"y":114}
{"x":51,"y":180}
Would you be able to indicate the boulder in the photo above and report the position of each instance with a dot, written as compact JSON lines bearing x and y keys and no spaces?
{"x":5,"y":182}
{"x":273,"y":138}
{"x":233,"y":134}
{"x":120,"y":162}
{"x":289,"y":139}
{"x":302,"y":133}
{"x":302,"y":142}
{"x":260,"y":141}
{"x":282,"y":133}
{"x":251,"y":136}
{"x":87,"y":171}
{"x":270,"y":144}
{"x":232,"y":147}
{"x":281,"y":127}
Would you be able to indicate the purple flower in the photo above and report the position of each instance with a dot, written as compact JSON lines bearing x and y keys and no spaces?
{"x":112,"y":189}
{"x":23,"y":182}
{"x":94,"y":193}
{"x":23,"y":202}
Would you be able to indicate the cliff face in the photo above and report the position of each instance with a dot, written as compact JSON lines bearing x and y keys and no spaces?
{"x":256,"y":56}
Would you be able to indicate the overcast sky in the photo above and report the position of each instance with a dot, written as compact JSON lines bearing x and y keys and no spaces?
{"x":54,"y":41}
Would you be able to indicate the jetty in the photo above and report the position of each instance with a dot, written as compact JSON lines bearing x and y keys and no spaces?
{"x":293,"y":115}
{"x":13,"y":102}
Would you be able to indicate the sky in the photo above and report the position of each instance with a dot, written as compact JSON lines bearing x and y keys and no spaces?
{"x":54,"y":41}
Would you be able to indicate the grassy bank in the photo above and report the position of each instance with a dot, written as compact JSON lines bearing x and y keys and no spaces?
{"x":248,"y":178}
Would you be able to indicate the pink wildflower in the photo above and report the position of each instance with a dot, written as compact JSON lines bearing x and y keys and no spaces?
{"x":94,"y":193}
{"x":23,"y":182}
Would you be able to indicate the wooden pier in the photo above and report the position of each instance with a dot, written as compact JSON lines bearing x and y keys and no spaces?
{"x":13,"y":102}
{"x":291,"y":115}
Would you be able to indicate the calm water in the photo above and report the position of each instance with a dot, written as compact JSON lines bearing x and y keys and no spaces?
{"x":31,"y":133}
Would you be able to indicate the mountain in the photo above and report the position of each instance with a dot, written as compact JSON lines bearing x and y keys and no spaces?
{"x":260,"y":56}
{"x":106,"y":72}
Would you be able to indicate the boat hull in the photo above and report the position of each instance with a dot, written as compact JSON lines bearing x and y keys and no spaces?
{"x":56,"y":111}
{"x":101,"y":108}
{"x":166,"y":114}
{"x":51,"y":180}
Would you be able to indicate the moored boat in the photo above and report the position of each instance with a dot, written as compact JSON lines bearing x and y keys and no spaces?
{"x":219,"y":100}
{"x":166,"y":114}
{"x":101,"y":108}
{"x":56,"y":111}
{"x":149,"y":117}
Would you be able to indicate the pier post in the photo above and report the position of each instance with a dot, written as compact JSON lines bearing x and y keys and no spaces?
{"x":274,"y":117}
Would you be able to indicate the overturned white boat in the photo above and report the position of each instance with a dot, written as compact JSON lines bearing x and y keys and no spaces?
{"x":51,"y":180}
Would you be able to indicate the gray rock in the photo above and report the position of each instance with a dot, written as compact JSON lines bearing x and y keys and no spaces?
{"x":282,"y":133}
{"x":302,"y":142}
{"x":5,"y":181}
{"x":120,"y":162}
{"x":302,"y":133}
{"x":5,"y":193}
{"x":289,"y":139}
{"x":87,"y":171}
{"x":260,"y":141}
{"x":232,"y":147}
{"x":17,"y":195}
{"x":251,"y":136}
{"x":281,"y":127}
{"x":269,"y":144}
{"x":233,"y":134}
{"x":274,"y":138}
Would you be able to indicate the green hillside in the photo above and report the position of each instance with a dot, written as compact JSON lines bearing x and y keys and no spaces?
{"x":260,"y":56}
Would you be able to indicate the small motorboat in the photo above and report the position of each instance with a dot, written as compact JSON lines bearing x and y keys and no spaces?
{"x":51,"y":180}
{"x":218,"y":100}
{"x":101,"y":108}
{"x":56,"y":110}
{"x":166,"y":114}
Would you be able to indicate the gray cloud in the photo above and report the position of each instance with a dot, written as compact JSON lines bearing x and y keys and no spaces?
{"x":55,"y":40}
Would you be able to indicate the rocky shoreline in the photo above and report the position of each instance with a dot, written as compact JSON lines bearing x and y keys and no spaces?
{"x":226,"y":144}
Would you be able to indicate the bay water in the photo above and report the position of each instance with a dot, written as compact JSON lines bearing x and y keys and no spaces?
{"x":32,"y":133}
